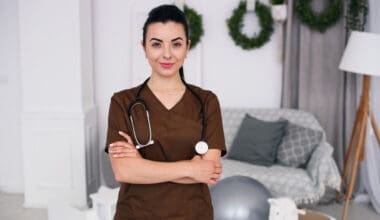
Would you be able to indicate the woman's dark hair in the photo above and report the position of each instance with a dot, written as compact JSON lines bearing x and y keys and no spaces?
{"x":166,"y":13}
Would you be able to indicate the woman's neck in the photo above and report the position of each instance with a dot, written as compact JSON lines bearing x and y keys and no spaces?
{"x":157,"y":82}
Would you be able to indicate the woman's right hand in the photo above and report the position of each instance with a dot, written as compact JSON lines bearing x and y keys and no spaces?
{"x":205,"y":171}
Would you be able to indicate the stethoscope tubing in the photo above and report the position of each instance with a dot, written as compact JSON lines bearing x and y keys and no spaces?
{"x":140,"y":101}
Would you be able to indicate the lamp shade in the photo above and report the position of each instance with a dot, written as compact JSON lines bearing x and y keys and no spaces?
{"x":362,"y":54}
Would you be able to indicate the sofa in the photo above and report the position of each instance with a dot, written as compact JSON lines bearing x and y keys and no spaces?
{"x":306,"y":185}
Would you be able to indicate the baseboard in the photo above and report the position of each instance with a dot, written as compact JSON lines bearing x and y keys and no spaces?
{"x":11,"y":189}
{"x":34,"y":205}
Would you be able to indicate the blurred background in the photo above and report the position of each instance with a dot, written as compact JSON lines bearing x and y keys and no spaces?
{"x":61,"y":61}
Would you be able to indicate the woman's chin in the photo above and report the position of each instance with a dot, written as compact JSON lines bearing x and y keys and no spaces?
{"x":167,"y":73}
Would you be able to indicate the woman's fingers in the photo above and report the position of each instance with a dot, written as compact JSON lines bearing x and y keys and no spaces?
{"x":123,"y":152}
{"x":197,"y":157}
{"x":215,"y":176}
{"x":122,"y":149}
{"x":218,"y":165}
{"x":218,"y":171}
{"x":129,"y":154}
{"x":126,"y":136}
{"x":212,"y":182}
{"x":120,"y":146}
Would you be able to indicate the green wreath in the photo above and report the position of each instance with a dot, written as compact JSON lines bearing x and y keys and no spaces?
{"x":195,"y":25}
{"x":357,"y":15}
{"x":319,"y":21}
{"x":235,"y":24}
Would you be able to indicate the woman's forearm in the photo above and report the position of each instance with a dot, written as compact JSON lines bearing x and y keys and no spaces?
{"x":185,"y":180}
{"x":142,"y":171}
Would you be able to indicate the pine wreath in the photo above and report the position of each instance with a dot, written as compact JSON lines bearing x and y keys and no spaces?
{"x":357,"y":15}
{"x":195,"y":25}
{"x":235,"y":25}
{"x":319,"y":21}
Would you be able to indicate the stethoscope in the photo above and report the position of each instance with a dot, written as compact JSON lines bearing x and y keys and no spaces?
{"x":201,"y":147}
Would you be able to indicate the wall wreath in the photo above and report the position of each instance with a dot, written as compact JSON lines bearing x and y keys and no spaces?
{"x":195,"y":25}
{"x":235,"y":25}
{"x":319,"y":21}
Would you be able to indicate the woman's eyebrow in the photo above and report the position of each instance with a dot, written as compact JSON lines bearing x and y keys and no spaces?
{"x":156,"y":39}
{"x":178,"y":38}
{"x":159,"y":40}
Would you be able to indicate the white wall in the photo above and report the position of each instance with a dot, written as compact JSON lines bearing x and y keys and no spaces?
{"x":60,"y":148}
{"x":11,"y":172}
{"x":239,"y":78}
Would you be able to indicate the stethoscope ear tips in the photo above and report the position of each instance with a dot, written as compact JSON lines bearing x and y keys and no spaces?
{"x":201,"y":147}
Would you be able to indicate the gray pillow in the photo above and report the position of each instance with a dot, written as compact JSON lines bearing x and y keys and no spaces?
{"x":257,"y":141}
{"x":297,"y":145}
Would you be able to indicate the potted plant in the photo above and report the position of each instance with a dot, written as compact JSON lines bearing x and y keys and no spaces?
{"x":279,"y":10}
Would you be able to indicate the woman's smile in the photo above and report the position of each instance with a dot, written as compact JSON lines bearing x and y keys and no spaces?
{"x":166,"y":65}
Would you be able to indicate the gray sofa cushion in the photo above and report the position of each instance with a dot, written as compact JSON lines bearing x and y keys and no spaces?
{"x":257,"y":141}
{"x":297,"y":145}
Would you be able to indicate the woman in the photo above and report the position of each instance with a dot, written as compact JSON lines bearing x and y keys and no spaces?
{"x":165,"y":179}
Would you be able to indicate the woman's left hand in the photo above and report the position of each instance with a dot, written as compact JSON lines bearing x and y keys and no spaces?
{"x":121,"y":149}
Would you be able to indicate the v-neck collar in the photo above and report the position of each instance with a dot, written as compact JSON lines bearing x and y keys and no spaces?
{"x":160,"y":104}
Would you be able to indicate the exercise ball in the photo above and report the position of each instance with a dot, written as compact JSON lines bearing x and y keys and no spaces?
{"x":240,"y":198}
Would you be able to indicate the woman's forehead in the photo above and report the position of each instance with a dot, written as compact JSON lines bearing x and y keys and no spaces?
{"x":167,"y":30}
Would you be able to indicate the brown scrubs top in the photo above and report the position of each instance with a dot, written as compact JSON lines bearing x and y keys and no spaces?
{"x":175,"y":133}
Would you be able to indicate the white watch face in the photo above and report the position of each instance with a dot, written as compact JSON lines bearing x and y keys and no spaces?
{"x":201,"y":147}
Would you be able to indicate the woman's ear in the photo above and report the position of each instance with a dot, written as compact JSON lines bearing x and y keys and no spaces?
{"x":188,"y":44}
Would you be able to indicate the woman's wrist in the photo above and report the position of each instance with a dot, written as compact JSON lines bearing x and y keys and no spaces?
{"x":188,"y":169}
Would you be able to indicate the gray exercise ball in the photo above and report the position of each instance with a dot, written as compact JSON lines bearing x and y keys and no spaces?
{"x":240,"y":198}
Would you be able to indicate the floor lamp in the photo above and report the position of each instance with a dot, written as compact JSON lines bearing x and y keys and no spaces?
{"x":362,"y":56}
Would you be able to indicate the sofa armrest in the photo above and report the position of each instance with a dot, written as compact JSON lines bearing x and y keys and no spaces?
{"x":322,"y":168}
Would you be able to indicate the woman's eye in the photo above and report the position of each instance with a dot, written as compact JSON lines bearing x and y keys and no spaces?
{"x":177,"y":44}
{"x":156,"y":44}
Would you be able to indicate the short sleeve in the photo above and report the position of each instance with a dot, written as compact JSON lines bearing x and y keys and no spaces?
{"x":214,"y":125}
{"x":116,"y":122}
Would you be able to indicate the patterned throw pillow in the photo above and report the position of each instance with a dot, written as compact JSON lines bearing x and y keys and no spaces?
{"x":297,"y":145}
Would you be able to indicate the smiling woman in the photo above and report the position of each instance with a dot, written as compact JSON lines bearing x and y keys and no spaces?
{"x":166,"y":48}
{"x":159,"y":148}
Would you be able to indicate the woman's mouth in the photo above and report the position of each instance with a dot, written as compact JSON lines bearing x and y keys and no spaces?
{"x":166,"y":65}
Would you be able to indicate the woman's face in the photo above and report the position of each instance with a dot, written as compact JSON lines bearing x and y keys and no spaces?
{"x":166,"y":47}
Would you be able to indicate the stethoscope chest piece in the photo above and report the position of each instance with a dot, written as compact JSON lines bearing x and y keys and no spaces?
{"x":201,"y":147}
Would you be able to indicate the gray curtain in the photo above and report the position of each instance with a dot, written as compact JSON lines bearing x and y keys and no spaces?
{"x":370,"y":171}
{"x":370,"y":167}
{"x":312,"y":81}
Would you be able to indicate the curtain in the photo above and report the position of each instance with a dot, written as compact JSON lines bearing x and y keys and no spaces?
{"x":370,"y":171}
{"x":312,"y":81}
{"x":370,"y":167}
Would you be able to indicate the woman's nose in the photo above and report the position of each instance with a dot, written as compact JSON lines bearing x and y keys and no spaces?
{"x":167,"y":52}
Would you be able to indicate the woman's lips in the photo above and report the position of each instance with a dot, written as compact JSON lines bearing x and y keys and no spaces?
{"x":166,"y":65}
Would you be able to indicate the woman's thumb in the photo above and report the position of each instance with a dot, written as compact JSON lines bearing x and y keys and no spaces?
{"x":197,"y":157}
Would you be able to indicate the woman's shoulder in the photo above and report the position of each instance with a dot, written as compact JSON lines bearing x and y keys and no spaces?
{"x":125,"y":95}
{"x":205,"y":94}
